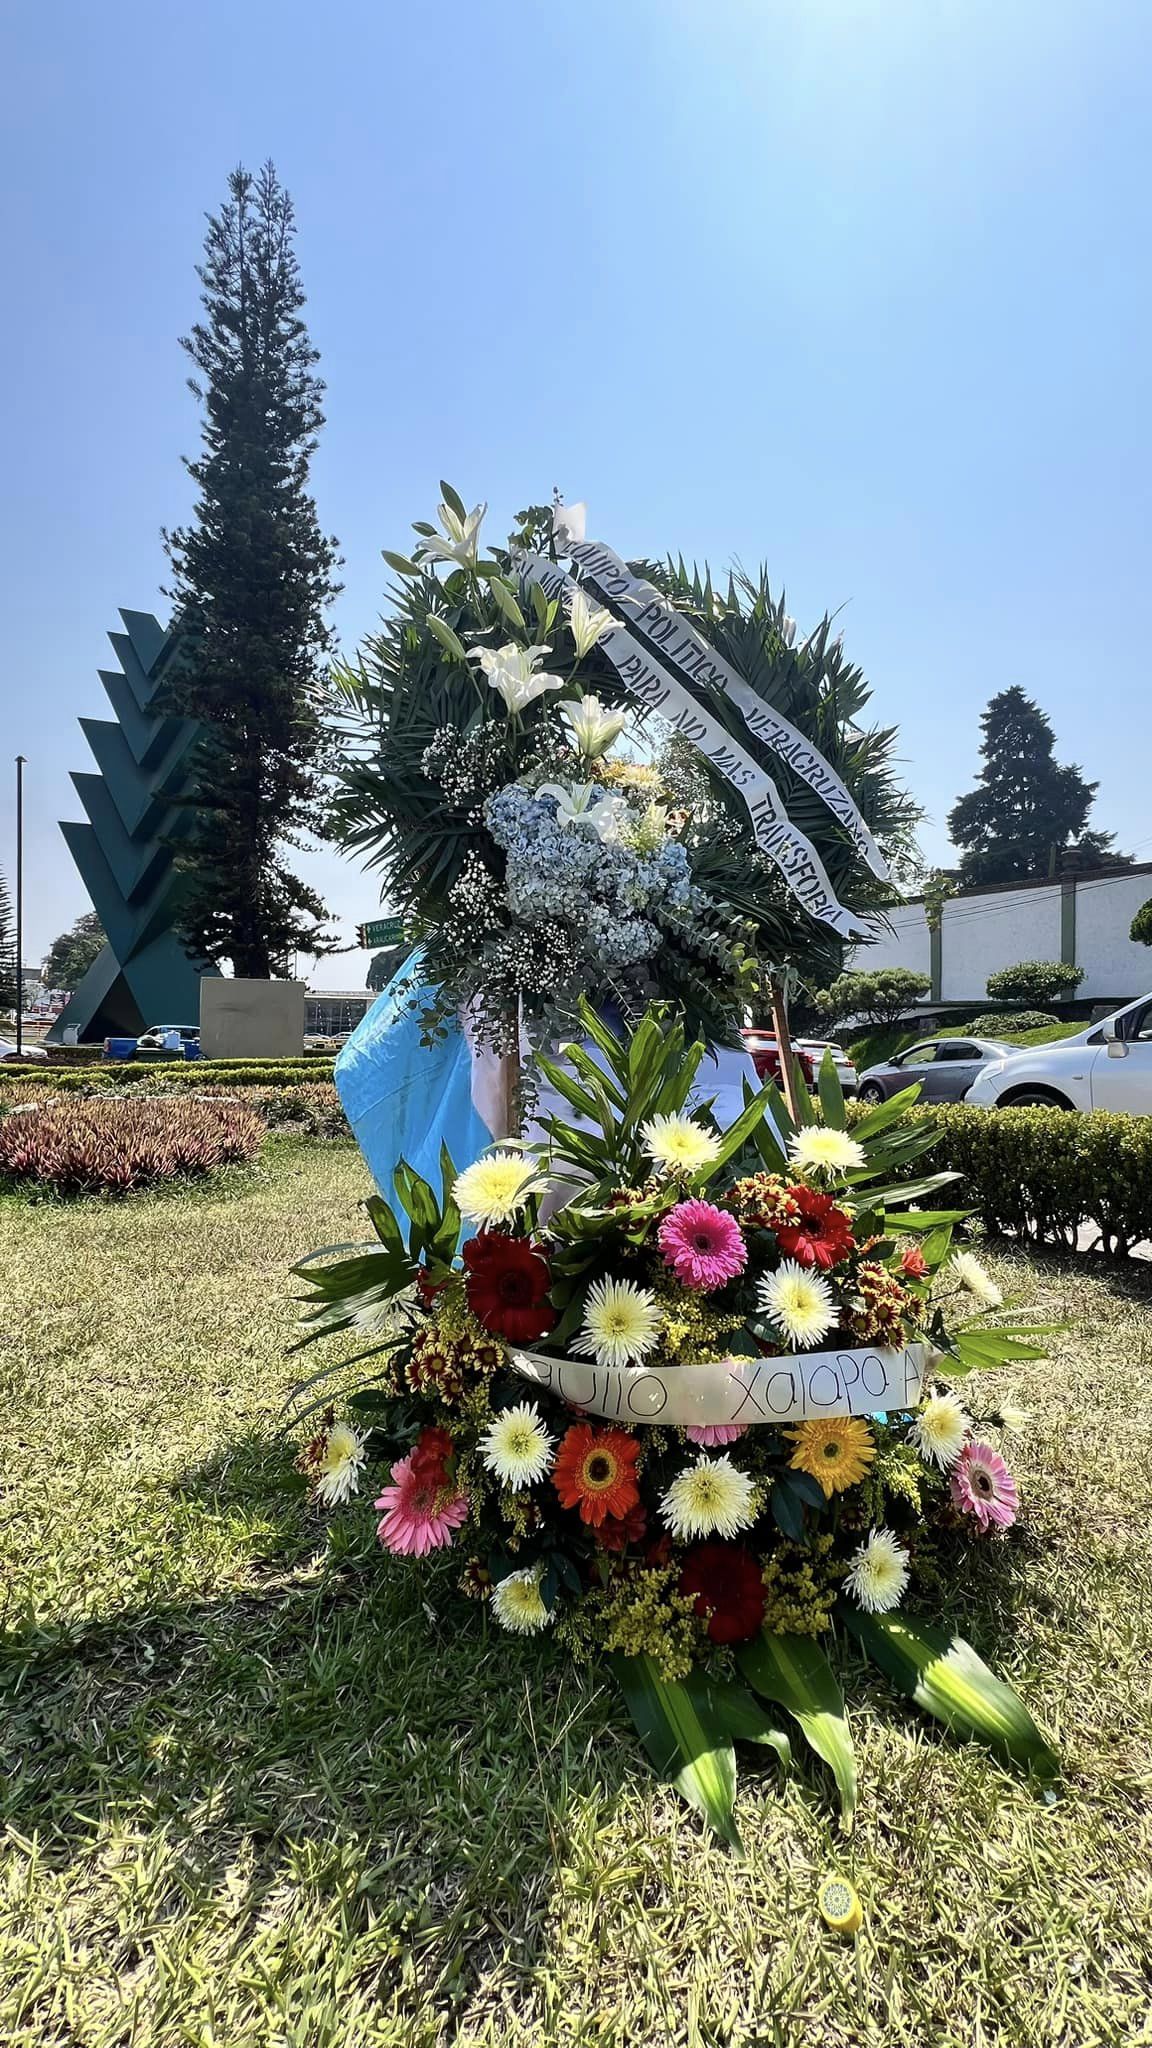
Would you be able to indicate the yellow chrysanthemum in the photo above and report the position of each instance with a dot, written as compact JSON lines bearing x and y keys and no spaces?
{"x":495,"y":1188}
{"x":818,"y":1148}
{"x":678,"y":1144}
{"x":836,"y":1452}
{"x":518,"y":1603}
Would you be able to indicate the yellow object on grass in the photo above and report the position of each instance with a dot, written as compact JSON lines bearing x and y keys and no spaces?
{"x":839,"y":1906}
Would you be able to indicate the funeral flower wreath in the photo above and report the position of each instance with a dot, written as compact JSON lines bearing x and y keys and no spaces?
{"x":532,"y":1339}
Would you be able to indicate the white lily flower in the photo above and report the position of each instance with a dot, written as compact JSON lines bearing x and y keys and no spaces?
{"x":568,"y":522}
{"x":512,"y":671}
{"x":788,"y":631}
{"x":461,"y":544}
{"x":592,"y":728}
{"x":588,"y":622}
{"x":577,"y":806}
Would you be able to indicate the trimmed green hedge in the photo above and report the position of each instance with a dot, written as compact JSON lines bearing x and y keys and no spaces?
{"x":26,"y":1079}
{"x":1043,"y":1173}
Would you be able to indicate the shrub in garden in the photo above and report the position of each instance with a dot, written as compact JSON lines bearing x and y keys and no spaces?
{"x":1034,"y":982}
{"x":1140,"y":930}
{"x":879,"y":997}
{"x":114,"y":1147}
{"x":994,"y":1023}
{"x":1042,"y":1173}
{"x":314,"y":1109}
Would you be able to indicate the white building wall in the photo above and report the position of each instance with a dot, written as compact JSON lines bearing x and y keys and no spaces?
{"x":908,"y":944}
{"x":981,"y":934}
{"x":1104,"y":912}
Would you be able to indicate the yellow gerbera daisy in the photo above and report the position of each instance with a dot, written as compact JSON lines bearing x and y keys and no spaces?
{"x":837,"y":1451}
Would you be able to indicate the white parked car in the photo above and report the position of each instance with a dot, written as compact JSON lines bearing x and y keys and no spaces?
{"x":1106,"y":1066}
{"x":27,"y":1052}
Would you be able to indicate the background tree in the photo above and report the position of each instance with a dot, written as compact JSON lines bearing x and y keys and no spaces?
{"x":1140,"y":931}
{"x":8,"y":974}
{"x":71,"y":954}
{"x":879,"y":996}
{"x":1028,"y":808}
{"x":383,"y":966}
{"x":1035,"y":982}
{"x":253,"y":575}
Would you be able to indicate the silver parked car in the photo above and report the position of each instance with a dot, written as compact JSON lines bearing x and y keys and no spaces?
{"x":944,"y":1067}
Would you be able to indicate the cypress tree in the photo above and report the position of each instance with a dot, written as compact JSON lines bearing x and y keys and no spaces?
{"x":252,"y":577}
{"x":1028,"y":810}
{"x":8,"y":972}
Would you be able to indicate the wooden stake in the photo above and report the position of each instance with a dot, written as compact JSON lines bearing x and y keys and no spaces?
{"x":789,"y":1073}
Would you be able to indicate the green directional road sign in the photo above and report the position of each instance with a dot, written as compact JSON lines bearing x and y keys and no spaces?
{"x":383,"y":931}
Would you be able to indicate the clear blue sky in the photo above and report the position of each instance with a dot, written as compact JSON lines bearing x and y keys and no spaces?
{"x":861,"y":290}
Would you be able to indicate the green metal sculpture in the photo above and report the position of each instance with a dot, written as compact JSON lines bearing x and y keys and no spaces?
{"x":143,"y":975}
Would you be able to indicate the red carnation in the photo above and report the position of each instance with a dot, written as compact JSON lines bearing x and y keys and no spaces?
{"x":914,"y":1265}
{"x":729,"y":1592}
{"x":823,"y":1234}
{"x":430,"y":1456}
{"x":507,"y":1282}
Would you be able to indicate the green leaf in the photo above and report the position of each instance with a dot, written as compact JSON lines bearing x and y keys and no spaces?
{"x":502,"y":592}
{"x":793,"y":1671}
{"x":385,"y":1225}
{"x":740,"y":1715}
{"x":442,"y":631}
{"x":738,"y":1134}
{"x":400,"y":563}
{"x":453,"y":500}
{"x":831,"y":1095}
{"x":944,"y":1675}
{"x":684,"y":1738}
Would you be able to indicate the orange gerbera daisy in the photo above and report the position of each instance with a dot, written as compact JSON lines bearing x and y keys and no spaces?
{"x":595,"y":1471}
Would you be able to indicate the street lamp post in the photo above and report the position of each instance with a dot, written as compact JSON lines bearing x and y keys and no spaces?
{"x":19,"y":904}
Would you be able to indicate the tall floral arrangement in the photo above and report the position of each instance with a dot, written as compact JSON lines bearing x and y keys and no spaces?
{"x":683,"y":1399}
{"x":542,"y":836}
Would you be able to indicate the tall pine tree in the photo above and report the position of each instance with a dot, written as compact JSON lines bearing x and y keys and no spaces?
{"x":253,"y":575}
{"x":8,"y":975}
{"x":1028,"y":814}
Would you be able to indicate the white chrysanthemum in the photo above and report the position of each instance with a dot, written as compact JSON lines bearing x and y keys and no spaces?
{"x":621,"y":1323}
{"x":940,"y":1430}
{"x":973,"y":1278}
{"x":878,"y":1573}
{"x":495,"y":1189}
{"x":375,"y":1318}
{"x":799,"y":1302}
{"x":710,"y":1498}
{"x":678,"y":1144}
{"x":338,"y":1469}
{"x":518,"y":1604}
{"x":1013,"y":1417}
{"x":516,"y":1446}
{"x":817,"y":1148}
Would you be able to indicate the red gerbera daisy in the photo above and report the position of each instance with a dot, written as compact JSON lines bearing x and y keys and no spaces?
{"x":729,"y":1591}
{"x":595,"y":1471}
{"x":507,"y":1281}
{"x":823,"y":1234}
{"x":429,"y":1458}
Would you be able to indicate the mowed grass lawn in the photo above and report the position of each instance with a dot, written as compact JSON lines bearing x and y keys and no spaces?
{"x":258,"y":1795}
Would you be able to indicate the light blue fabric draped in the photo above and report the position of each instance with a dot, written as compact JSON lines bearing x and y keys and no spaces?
{"x":404,"y":1099}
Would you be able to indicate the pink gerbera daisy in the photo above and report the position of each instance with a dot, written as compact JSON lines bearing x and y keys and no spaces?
{"x":702,"y":1245}
{"x":983,"y":1486}
{"x":712,"y":1433}
{"x":418,"y":1516}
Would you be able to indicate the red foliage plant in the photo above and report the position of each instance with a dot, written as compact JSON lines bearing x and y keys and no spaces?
{"x":112,"y":1148}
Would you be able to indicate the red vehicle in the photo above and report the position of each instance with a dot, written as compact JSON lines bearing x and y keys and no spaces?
{"x":764,"y":1050}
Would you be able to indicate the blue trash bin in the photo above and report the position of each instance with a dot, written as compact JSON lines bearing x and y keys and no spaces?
{"x":120,"y":1048}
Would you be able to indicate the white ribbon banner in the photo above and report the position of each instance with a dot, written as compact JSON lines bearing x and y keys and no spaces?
{"x":782,"y":841}
{"x":679,"y":642}
{"x":757,"y":1392}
